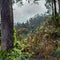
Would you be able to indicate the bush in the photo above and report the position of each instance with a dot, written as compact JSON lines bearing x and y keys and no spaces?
{"x":14,"y":54}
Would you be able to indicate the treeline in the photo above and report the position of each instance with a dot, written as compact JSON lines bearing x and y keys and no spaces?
{"x":31,"y":24}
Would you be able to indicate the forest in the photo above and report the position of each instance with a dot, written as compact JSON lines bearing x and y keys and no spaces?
{"x":36,"y":39}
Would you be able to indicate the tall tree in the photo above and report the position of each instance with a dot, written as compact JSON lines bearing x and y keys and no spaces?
{"x":55,"y":9}
{"x":59,"y":5}
{"x":51,"y":4}
{"x":0,"y":10}
{"x":7,"y":25}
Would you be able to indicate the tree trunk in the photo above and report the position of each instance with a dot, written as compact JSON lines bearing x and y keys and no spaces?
{"x":59,"y":6}
{"x":0,"y":11}
{"x":7,"y":25}
{"x":52,"y":9}
{"x":55,"y":10}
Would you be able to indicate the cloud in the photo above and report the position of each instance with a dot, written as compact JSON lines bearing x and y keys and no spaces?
{"x":21,"y":14}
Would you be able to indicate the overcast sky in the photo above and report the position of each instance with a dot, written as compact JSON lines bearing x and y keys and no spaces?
{"x":21,"y":14}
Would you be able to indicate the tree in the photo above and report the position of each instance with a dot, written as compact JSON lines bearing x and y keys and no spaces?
{"x":59,"y":5}
{"x":51,"y":5}
{"x":6,"y":25}
{"x":55,"y":9}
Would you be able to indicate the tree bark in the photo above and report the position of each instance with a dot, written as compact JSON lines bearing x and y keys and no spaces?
{"x":59,"y":6}
{"x":7,"y":25}
{"x":55,"y":10}
{"x":52,"y":9}
{"x":0,"y":11}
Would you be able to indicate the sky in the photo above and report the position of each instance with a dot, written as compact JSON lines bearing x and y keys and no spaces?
{"x":23,"y":13}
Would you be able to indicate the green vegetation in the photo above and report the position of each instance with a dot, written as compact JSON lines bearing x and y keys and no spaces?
{"x":37,"y":38}
{"x":44,"y":43}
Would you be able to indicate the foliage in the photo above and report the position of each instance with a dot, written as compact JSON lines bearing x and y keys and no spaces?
{"x":58,"y":50}
{"x":34,"y":1}
{"x":48,"y":5}
{"x":31,"y":24}
{"x":44,"y":43}
{"x":0,"y":36}
{"x":14,"y":54}
{"x":41,"y":44}
{"x":15,"y":38}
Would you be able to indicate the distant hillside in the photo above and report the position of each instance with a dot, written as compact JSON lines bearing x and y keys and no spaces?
{"x":32,"y":23}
